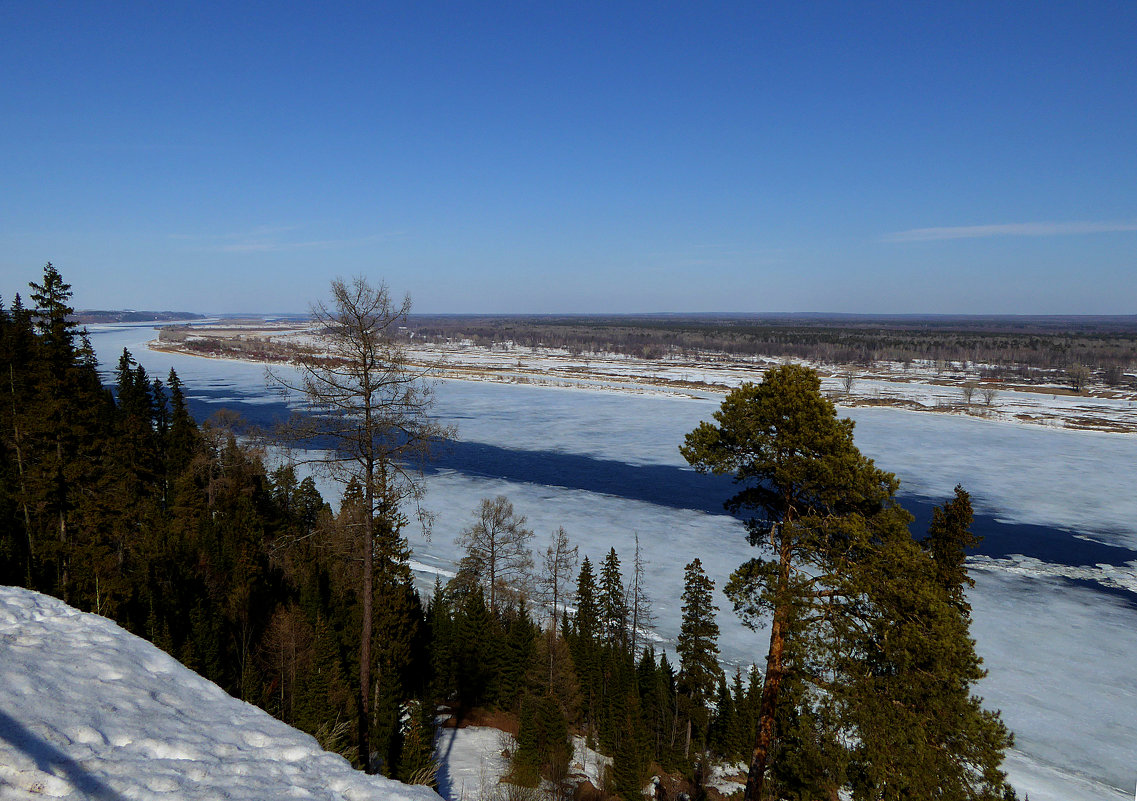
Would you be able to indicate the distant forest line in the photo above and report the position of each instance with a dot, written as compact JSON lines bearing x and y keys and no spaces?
{"x":100,"y":316}
{"x":1029,"y":348}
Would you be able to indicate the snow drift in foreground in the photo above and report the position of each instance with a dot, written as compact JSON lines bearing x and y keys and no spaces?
{"x":88,"y":710}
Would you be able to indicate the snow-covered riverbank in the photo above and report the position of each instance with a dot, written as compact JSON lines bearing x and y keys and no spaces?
{"x":919,"y":386}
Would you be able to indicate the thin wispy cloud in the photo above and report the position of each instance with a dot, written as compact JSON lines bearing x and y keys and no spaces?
{"x":1009,"y":229}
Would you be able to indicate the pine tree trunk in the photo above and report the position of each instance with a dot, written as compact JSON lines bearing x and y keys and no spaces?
{"x":760,"y":758}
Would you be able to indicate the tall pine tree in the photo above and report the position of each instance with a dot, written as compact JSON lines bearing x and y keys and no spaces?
{"x":841,"y":566}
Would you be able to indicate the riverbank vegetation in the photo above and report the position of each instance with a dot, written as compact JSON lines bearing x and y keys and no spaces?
{"x":1026,"y":349}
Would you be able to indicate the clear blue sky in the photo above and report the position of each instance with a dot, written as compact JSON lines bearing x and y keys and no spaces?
{"x":574,"y":157}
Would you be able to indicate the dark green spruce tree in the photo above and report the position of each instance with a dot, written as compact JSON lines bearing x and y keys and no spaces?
{"x":909,"y":672}
{"x":698,"y":650}
{"x":613,"y":601}
{"x":585,"y":647}
{"x":68,"y":419}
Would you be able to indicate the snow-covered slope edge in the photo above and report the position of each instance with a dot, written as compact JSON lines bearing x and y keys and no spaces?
{"x":88,"y":710}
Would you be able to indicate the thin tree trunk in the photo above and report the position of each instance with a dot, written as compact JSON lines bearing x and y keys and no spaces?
{"x":20,"y":468}
{"x":552,"y":650}
{"x":635,"y":607}
{"x":674,"y":719}
{"x":365,"y":633}
{"x":492,"y":560}
{"x":65,"y":548}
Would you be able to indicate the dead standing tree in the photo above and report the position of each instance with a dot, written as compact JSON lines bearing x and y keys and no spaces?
{"x":366,"y":407}
{"x":639,"y":602}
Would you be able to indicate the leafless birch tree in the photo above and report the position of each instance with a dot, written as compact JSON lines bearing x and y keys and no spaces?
{"x":559,"y":561}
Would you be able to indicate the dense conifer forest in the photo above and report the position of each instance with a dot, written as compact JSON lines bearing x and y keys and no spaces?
{"x":117,"y":501}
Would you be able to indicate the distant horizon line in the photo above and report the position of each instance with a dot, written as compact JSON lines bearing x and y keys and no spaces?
{"x":671,"y":314}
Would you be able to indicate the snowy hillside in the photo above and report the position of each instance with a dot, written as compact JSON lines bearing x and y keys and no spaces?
{"x":90,"y":711}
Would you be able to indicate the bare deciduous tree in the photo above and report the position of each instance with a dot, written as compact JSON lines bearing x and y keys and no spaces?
{"x":286,"y":648}
{"x":366,"y":407}
{"x":559,"y":563}
{"x":989,"y":394}
{"x":968,"y":391}
{"x":497,"y":549}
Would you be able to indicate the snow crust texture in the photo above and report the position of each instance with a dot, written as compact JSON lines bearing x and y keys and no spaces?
{"x":89,"y":711}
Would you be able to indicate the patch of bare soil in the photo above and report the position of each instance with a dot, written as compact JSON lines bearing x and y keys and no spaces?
{"x":493,"y":718}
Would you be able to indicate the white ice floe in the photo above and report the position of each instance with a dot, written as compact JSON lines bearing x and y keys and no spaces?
{"x":1118,"y":577}
{"x":89,"y":711}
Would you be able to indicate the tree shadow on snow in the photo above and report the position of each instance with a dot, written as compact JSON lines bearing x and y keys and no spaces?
{"x":442,"y":776}
{"x":51,"y":760}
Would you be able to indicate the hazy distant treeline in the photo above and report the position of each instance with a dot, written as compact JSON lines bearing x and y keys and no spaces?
{"x":1032,"y":348}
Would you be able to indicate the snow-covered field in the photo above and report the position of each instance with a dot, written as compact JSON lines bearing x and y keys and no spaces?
{"x":1060,"y":654}
{"x":89,"y":711}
